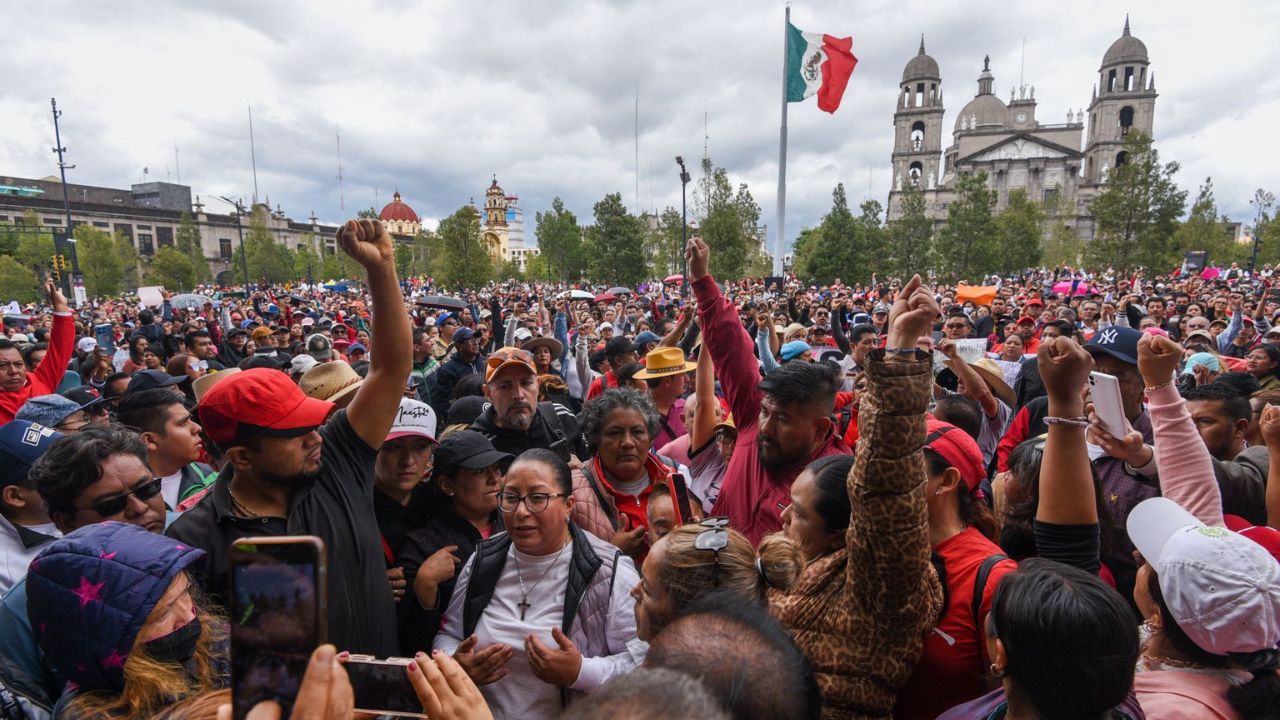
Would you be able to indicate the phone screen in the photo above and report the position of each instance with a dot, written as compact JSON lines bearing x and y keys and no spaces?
{"x":106,"y":340}
{"x":383,"y":687}
{"x":277,"y":618}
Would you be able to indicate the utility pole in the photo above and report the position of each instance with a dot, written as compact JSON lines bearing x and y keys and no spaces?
{"x":244,"y":256}
{"x":684,"y":224}
{"x":70,"y":242}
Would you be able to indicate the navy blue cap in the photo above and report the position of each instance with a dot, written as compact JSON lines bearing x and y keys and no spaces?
{"x":462,"y":335}
{"x":22,"y":442}
{"x":1120,"y":343}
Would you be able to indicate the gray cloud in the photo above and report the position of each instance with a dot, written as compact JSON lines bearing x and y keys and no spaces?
{"x":433,"y":97}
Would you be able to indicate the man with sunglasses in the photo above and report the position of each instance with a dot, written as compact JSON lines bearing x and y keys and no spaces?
{"x":19,"y":383}
{"x":295,"y":466}
{"x":515,"y":421}
{"x":97,"y":475}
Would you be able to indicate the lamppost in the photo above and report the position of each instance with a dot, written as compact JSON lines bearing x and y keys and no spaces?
{"x":59,"y":150}
{"x":244,"y":256}
{"x":684,"y":224}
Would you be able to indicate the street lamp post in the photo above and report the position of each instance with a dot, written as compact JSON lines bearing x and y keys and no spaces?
{"x":244,"y":256}
{"x":684,"y":224}
{"x":60,"y":151}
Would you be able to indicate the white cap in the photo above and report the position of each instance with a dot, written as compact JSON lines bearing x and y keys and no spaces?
{"x":430,"y":321}
{"x":87,"y":344}
{"x":523,"y":334}
{"x":604,"y":326}
{"x":1222,"y":588}
{"x":302,"y":363}
{"x":414,"y":418}
{"x":19,"y":337}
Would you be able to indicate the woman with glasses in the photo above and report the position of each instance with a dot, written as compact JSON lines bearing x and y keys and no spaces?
{"x":464,"y":485}
{"x":861,"y":608}
{"x":114,"y":611}
{"x":542,"y":611}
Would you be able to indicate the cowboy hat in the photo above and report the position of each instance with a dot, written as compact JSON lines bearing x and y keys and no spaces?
{"x":203,"y":384}
{"x":991,"y":374}
{"x":550,"y":343}
{"x":335,"y":382}
{"x":665,"y":362}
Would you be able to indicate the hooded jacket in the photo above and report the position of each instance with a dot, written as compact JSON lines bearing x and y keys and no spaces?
{"x":89,"y":593}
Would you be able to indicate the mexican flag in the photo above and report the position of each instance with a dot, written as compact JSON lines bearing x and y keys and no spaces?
{"x":818,"y":64}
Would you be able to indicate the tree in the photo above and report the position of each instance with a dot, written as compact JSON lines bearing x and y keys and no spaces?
{"x":910,"y":237}
{"x":1063,"y":246}
{"x":1136,"y":214}
{"x":1265,"y":226}
{"x":35,"y":250}
{"x":269,"y":261}
{"x":536,"y":269}
{"x":966,"y":247}
{"x":615,"y":244}
{"x":832,"y":249}
{"x":187,"y":240}
{"x":103,"y":262}
{"x":728,"y":221}
{"x":17,"y":282}
{"x":1205,"y":230}
{"x":560,"y":241}
{"x":662,"y":244}
{"x":1020,"y":231}
{"x":306,"y":264}
{"x":370,"y":213}
{"x":464,"y":261}
{"x":510,"y":270}
{"x":404,"y":259}
{"x":873,"y":245}
{"x":172,"y":269}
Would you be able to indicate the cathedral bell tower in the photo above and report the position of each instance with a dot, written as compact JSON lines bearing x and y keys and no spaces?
{"x":1123,"y":101}
{"x":917,"y":124}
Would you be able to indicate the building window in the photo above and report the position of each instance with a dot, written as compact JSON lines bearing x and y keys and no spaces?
{"x":1111,"y":81}
{"x":224,"y":248}
{"x":917,"y":135}
{"x":1128,"y":79}
{"x":1126,"y":119}
{"x":52,"y":221}
{"x":919,"y":94}
{"x":164,"y":236}
{"x":1122,"y":158}
{"x":145,"y":245}
{"x":101,"y":225}
{"x":1051,"y":199}
{"x":125,"y":229}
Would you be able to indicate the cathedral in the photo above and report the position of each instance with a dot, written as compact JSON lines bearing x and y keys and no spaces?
{"x":1062,"y":164}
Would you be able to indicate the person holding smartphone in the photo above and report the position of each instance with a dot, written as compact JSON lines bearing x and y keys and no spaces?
{"x":294,"y":466}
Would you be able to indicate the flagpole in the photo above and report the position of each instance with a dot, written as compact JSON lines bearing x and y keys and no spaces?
{"x":782,"y":152}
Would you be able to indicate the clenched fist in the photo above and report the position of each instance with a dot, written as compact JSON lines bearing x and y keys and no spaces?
{"x":367,"y":242}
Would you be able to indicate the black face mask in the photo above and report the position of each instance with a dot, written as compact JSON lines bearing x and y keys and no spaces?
{"x":178,"y":646}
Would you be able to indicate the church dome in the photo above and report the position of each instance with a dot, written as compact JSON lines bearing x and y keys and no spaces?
{"x":1126,"y":49}
{"x":921,"y":67}
{"x":397,"y":210}
{"x":495,"y":189}
{"x":984,"y":111}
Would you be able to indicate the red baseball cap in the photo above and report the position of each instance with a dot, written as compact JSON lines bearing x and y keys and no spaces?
{"x":1268,"y":538}
{"x":263,"y":400}
{"x":958,"y":449}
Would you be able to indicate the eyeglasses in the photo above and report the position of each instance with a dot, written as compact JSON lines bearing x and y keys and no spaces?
{"x":117,"y":504}
{"x":714,"y":538}
{"x":533,"y":502}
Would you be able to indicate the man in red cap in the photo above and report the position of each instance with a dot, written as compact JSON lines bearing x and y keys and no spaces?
{"x":296,"y":467}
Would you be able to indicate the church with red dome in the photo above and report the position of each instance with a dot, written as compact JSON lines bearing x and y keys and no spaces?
{"x":399,"y":218}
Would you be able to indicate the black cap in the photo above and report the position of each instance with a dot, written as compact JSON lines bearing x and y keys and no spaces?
{"x":147,"y":379}
{"x":468,"y":449}
{"x":619,"y":344}
{"x":465,"y":410}
{"x":86,"y":395}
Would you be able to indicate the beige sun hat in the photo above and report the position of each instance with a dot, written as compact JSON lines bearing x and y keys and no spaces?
{"x":334,"y":382}
{"x":203,"y":384}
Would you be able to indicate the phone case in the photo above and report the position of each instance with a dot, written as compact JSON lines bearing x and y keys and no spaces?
{"x":1104,"y":390}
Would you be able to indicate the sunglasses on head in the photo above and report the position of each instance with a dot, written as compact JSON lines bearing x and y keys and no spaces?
{"x":714,"y":538}
{"x":117,"y":504}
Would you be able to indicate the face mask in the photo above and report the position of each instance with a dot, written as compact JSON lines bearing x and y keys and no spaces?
{"x":178,"y":646}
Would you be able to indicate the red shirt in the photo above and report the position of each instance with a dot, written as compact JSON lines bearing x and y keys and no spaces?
{"x":634,"y":508}
{"x":598,"y":387}
{"x":953,"y":669}
{"x":44,"y":380}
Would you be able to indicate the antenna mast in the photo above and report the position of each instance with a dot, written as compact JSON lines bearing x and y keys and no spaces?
{"x":637,"y":130}
{"x":342,"y":204}
{"x":253,"y":157}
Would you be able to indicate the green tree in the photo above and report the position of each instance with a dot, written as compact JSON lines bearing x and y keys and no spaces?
{"x":371,"y":213}
{"x":187,"y":240}
{"x":35,"y":250}
{"x":832,"y":249}
{"x":269,"y":261}
{"x":17,"y":282}
{"x":910,"y":236}
{"x":1265,"y":226}
{"x":464,"y":259}
{"x":104,"y":262}
{"x":129,"y":261}
{"x":1136,"y":214}
{"x":306,"y":264}
{"x":663,"y":244}
{"x":404,"y":259}
{"x":560,"y":241}
{"x":1205,"y":230}
{"x":1063,"y":246}
{"x":11,"y":236}
{"x":172,"y":269}
{"x":615,"y":244}
{"x":510,"y":270}
{"x":1020,"y":232}
{"x":727,"y":221}
{"x":966,"y":247}
{"x":536,"y":269}
{"x":873,"y":245}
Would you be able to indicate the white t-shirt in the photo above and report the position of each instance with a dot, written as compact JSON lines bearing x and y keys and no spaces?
{"x":14,"y":558}
{"x":170,"y":485}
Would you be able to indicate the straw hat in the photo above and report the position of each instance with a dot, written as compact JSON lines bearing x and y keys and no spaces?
{"x":334,"y":382}
{"x":991,"y":374}
{"x":665,"y":362}
{"x":203,"y":384}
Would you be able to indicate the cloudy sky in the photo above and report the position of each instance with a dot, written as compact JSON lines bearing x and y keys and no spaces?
{"x":433,"y":97}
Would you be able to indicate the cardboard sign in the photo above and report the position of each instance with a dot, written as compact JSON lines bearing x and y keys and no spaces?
{"x":970,"y":351}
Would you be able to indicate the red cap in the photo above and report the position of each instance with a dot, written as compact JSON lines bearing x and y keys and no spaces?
{"x":958,"y":449}
{"x":1268,"y":538}
{"x":1026,"y":320}
{"x":1035,"y":301}
{"x":263,"y":398}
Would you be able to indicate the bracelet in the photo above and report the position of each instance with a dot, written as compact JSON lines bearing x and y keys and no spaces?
{"x":1079,"y":422}
{"x":1161,"y":386}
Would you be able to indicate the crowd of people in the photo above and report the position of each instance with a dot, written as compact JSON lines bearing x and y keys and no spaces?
{"x":757,"y":500}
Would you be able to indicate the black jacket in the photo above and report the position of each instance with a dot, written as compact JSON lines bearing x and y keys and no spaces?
{"x":554,"y":427}
{"x":418,"y":627}
{"x":447,"y":376}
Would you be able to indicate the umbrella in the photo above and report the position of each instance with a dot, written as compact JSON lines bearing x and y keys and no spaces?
{"x":441,"y":301}
{"x":336,"y":287}
{"x":620,"y":291}
{"x":674,"y":279}
{"x":189,"y":301}
{"x":1064,"y":287}
{"x":605,"y":298}
{"x":580,"y":295}
{"x":1210,"y":273}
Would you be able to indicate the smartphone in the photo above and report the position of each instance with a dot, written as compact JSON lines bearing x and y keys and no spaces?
{"x":382,"y":686}
{"x":106,"y":339}
{"x":278,"y":611}
{"x":1104,"y":390}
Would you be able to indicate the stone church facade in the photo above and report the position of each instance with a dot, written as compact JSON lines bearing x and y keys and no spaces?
{"x":1062,"y":164}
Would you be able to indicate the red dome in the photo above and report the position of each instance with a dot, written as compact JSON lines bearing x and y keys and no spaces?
{"x":398,"y":210}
